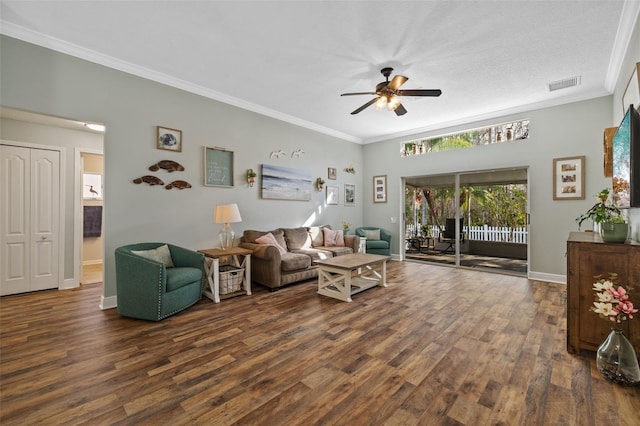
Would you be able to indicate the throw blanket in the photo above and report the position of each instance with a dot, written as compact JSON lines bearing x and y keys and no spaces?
{"x":92,"y":221}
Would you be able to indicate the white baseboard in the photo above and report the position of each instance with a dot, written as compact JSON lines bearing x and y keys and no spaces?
{"x":552,"y":278}
{"x":110,"y":302}
{"x":92,"y":262}
{"x":68,"y":284}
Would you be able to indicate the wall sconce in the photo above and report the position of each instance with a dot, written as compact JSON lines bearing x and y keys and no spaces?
{"x":251,"y":177}
{"x":319,"y":183}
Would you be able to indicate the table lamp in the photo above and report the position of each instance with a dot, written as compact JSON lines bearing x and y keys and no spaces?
{"x":226,"y":214}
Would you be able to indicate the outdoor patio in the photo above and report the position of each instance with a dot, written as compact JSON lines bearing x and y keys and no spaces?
{"x":501,"y":264}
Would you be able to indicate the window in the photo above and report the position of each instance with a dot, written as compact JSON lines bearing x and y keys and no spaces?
{"x":499,"y":133}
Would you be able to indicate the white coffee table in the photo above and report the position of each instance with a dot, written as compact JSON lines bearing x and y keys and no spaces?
{"x":343,"y":276}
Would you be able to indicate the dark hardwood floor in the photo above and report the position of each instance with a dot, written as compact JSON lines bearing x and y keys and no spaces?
{"x":438,"y":346}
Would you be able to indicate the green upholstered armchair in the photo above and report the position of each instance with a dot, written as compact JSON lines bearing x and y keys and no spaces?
{"x":150,"y":290}
{"x":376,"y":244}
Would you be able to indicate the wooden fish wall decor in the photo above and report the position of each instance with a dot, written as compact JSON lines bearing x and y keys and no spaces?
{"x":151,"y":180}
{"x":168,"y":165}
{"x":179,"y":184}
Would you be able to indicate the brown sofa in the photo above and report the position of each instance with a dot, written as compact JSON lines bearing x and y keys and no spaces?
{"x":303,"y":245}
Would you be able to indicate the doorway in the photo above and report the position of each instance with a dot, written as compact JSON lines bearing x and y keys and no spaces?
{"x":487,"y":216}
{"x":92,"y":255}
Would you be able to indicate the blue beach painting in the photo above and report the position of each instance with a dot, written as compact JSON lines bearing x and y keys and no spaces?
{"x":284,"y":183}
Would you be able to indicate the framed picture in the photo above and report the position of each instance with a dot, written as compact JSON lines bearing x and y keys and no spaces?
{"x":332,"y":173}
{"x":285,"y":183}
{"x":349,"y":194}
{"x":218,"y":167}
{"x":568,"y":178}
{"x":332,"y":195}
{"x":91,"y":186}
{"x":631,"y":93}
{"x":169,"y":139}
{"x":380,"y":189}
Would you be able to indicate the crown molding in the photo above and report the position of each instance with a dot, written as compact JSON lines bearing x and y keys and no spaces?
{"x":628,"y":18}
{"x":39,"y":39}
{"x":421,"y":132}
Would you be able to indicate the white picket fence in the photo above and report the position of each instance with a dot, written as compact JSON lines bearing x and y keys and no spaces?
{"x":484,"y":233}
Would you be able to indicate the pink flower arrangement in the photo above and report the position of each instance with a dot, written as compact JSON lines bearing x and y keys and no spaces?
{"x":612,"y":302}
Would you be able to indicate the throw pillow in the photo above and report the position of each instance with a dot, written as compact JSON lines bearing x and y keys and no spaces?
{"x":269,"y":239}
{"x":333,"y":238}
{"x":159,"y":254}
{"x":317,"y":237}
{"x":372,"y":234}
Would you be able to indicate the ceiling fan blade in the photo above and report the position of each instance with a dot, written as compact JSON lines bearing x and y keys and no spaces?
{"x":359,"y":93}
{"x":396,"y":82}
{"x":420,"y":92}
{"x":368,"y":104}
{"x":400,"y":110}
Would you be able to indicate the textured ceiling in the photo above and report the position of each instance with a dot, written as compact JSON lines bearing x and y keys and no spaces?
{"x":292,"y":60}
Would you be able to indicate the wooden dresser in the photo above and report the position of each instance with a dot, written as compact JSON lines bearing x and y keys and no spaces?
{"x":587,"y":256}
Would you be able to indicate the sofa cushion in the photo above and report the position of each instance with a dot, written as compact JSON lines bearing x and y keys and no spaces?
{"x":333,"y":238}
{"x":250,"y":236}
{"x":269,"y":239}
{"x":337,"y":251}
{"x":294,"y":262}
{"x":159,"y":254}
{"x":371,"y":235}
{"x":180,"y":276}
{"x":317,"y":236}
{"x":297,"y":238}
{"x":316,"y":253}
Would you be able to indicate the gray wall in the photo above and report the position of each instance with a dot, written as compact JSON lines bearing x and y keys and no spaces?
{"x":563,"y":131}
{"x":40,"y":80}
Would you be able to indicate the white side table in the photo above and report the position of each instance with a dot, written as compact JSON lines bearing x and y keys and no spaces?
{"x":212,"y":269}
{"x":363,"y":245}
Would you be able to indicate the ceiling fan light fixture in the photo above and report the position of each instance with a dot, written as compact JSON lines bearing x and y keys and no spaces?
{"x":393,"y":103}
{"x":381,"y":102}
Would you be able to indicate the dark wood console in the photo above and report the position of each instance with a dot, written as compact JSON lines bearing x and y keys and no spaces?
{"x":587,"y":256}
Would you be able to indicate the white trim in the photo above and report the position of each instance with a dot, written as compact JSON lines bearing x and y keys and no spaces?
{"x":77,"y":211}
{"x":420,"y":132}
{"x":543,"y":276}
{"x":34,"y":37}
{"x":110,"y":302}
{"x":628,"y":18}
{"x":68,"y":284}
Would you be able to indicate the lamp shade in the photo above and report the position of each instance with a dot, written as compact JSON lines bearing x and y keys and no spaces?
{"x":226,"y":213}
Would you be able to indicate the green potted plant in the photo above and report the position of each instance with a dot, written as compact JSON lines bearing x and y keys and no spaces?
{"x":425,"y":230}
{"x":319,"y":183}
{"x":613,"y":225}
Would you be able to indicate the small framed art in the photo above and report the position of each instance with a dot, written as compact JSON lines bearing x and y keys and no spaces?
{"x":380,"y":189}
{"x":91,"y":186}
{"x":349,"y":194}
{"x":332,"y":173}
{"x":218,"y":167}
{"x":169,"y":139}
{"x":332,"y":195}
{"x":568,"y":178}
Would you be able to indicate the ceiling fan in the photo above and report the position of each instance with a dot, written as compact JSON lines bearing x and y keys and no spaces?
{"x":388,"y":93}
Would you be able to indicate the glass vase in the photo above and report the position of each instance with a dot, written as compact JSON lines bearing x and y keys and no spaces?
{"x":617,"y":360}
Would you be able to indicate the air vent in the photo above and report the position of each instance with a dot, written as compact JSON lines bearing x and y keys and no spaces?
{"x":563,"y":84}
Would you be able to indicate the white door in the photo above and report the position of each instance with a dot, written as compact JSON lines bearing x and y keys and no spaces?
{"x":29,"y":219}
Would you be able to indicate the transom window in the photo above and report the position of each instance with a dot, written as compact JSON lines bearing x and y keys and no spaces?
{"x":506,"y":132}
